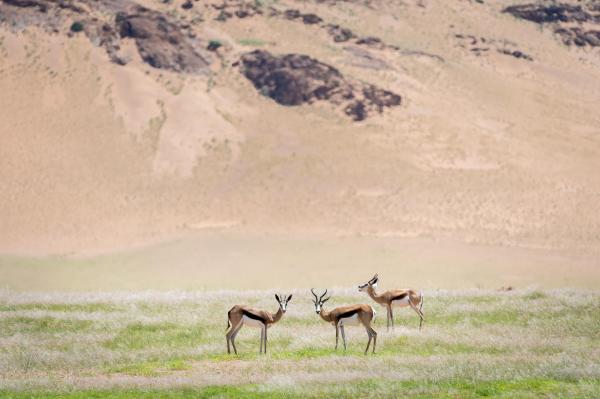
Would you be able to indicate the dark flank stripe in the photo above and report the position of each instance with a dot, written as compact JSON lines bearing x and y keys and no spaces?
{"x":401,"y":296}
{"x":253,"y":316}
{"x":347,"y":314}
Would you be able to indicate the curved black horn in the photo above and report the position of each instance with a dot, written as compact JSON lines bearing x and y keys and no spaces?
{"x":325,"y":293}
{"x":315,"y":295}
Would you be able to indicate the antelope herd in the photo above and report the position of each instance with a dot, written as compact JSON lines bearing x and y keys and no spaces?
{"x":360,"y":314}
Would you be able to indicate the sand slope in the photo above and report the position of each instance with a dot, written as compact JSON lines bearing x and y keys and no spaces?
{"x":486,"y":149}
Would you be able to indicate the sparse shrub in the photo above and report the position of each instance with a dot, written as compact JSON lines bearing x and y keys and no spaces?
{"x":77,"y":26}
{"x":214,"y":45}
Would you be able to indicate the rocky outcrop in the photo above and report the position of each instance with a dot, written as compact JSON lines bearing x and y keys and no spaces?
{"x":563,"y":16}
{"x":295,"y":79}
{"x":160,"y":42}
{"x":544,"y":13}
{"x":479,"y":46}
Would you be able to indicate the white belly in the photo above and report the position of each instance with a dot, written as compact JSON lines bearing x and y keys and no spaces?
{"x":400,"y":303}
{"x":251,"y":322}
{"x":349,"y":321}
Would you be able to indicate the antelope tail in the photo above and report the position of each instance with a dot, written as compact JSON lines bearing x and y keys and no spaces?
{"x":228,"y":322}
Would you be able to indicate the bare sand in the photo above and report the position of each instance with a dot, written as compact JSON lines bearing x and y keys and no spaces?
{"x":488,"y":174}
{"x":227,"y":260}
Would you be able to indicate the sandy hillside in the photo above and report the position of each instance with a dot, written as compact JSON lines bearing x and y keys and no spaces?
{"x":495,"y":140}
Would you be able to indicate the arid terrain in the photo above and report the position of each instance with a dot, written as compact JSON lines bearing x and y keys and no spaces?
{"x":484,"y":147}
{"x":161,"y":161}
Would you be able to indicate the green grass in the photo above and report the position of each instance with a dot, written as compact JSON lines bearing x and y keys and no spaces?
{"x":165,"y":335}
{"x":61,"y":307}
{"x":151,"y":368}
{"x":252,"y":42}
{"x":523,"y":388}
{"x":20,"y":324}
{"x":530,"y":344}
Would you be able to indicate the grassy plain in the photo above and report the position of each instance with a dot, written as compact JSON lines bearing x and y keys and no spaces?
{"x":475,"y":343}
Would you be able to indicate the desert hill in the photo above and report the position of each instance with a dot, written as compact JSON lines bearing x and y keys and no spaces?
{"x":130,"y":122}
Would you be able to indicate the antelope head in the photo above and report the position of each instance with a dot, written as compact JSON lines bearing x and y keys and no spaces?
{"x":319,"y":301}
{"x":283,"y":301}
{"x":371,"y":283}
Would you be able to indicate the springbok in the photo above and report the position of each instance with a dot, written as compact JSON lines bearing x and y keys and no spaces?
{"x":347,"y":315}
{"x":394,"y":298}
{"x":242,"y":314}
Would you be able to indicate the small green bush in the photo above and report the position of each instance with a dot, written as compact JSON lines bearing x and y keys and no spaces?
{"x":76,"y":26}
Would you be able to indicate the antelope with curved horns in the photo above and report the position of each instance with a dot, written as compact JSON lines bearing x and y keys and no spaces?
{"x":242,"y":314}
{"x":394,"y":298}
{"x":347,"y":315}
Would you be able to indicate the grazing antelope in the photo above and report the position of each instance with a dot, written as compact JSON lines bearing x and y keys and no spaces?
{"x":347,"y":315}
{"x":242,"y":314}
{"x":394,"y":298}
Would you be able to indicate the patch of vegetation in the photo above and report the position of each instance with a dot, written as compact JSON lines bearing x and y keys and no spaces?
{"x":431,"y":347}
{"x":534,"y":295}
{"x":159,"y":335}
{"x":252,"y":42}
{"x":214,"y":45}
{"x":151,"y":368}
{"x":77,"y":26}
{"x":61,"y":307}
{"x":12,"y":325}
{"x":525,"y":388}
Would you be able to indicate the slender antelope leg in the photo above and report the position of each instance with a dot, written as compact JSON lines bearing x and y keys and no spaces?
{"x":343,"y":336}
{"x":421,"y":310}
{"x":337,"y":335}
{"x":392,"y":316}
{"x":368,"y":343}
{"x":227,"y":336}
{"x":265,"y":339}
{"x":262,"y":336}
{"x":374,"y":333}
{"x":235,"y":333}
{"x":389,"y":310}
{"x":412,"y":305}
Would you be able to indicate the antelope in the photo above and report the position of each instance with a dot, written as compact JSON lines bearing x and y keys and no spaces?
{"x":242,"y":314}
{"x":394,"y":298}
{"x":347,"y":315}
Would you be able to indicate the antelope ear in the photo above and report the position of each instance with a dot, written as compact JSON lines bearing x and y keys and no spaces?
{"x":289,"y":297}
{"x":325,"y":300}
{"x":277,"y":297}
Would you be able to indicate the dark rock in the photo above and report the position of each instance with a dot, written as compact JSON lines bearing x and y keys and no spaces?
{"x":381,"y":98}
{"x":41,"y":5}
{"x":223,"y":16}
{"x":541,"y":13}
{"x":371,"y":42}
{"x":160,"y":42}
{"x":187,"y":5}
{"x":340,"y":34}
{"x":292,"y":14}
{"x":295,"y":79}
{"x":356,"y":110}
{"x":291,"y":79}
{"x":242,"y":13}
{"x":516,"y":54}
{"x":311,"y":19}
